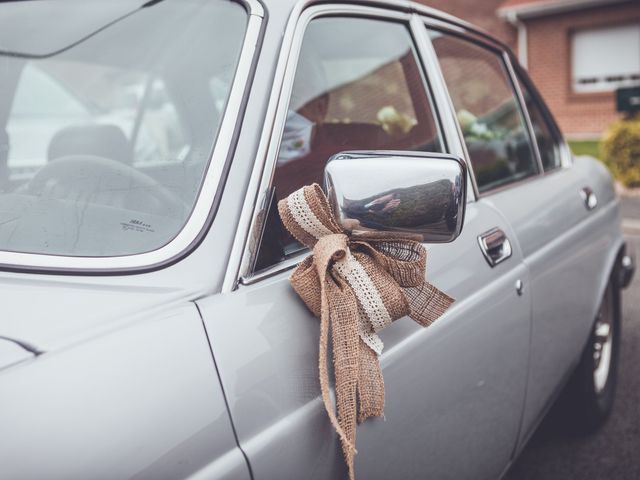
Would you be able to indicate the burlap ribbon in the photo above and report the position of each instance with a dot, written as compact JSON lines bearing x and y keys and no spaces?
{"x":357,"y":285}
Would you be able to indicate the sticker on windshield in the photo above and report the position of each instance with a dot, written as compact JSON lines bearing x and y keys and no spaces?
{"x":137,"y":226}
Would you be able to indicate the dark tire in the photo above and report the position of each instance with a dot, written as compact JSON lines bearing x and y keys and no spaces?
{"x":588,"y":398}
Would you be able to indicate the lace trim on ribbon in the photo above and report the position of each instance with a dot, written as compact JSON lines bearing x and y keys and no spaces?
{"x":304,"y":216}
{"x":377,"y":316}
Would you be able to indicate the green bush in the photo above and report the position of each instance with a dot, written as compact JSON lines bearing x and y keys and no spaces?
{"x":621,"y":151}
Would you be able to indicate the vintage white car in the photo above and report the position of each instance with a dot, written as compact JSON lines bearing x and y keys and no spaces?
{"x":148,"y":329}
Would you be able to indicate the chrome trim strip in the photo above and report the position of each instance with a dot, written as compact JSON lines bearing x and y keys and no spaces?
{"x":566,"y":157}
{"x":255,"y":7}
{"x":442,"y":99}
{"x":515,"y":84}
{"x":240,"y":258}
{"x":452,"y":22}
{"x":201,"y":211}
{"x":274,"y":270}
{"x":247,"y":215}
{"x":503,"y":51}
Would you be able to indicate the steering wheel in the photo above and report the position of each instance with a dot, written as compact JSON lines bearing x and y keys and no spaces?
{"x":103,"y":181}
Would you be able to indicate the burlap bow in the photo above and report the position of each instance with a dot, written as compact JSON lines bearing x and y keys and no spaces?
{"x":357,"y":285}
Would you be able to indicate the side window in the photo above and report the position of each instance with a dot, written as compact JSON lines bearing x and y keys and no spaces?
{"x":547,"y":135}
{"x":358,"y":86}
{"x":488,"y":111}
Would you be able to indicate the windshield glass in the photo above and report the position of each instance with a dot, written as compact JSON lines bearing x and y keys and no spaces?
{"x":109,"y":111}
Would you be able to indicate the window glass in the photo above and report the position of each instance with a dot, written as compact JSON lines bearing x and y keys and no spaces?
{"x":604,"y":59}
{"x":107,"y":125}
{"x":546,"y":138}
{"x":135,"y":103}
{"x":358,"y":86}
{"x":487,"y":110}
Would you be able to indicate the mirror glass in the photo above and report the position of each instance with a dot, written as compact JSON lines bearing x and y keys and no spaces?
{"x":415,"y":195}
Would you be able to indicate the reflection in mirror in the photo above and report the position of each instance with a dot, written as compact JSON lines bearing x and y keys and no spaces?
{"x":414,"y":195}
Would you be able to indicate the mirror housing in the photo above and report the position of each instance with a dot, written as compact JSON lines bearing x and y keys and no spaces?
{"x":416,"y":195}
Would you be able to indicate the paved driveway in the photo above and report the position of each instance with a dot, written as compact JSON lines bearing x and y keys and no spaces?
{"x":613,"y":452}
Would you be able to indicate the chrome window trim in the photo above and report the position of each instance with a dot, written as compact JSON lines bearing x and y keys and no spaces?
{"x":472,"y":34}
{"x":283,"y":266}
{"x":442,"y":99}
{"x":503,"y":55}
{"x":200,"y":216}
{"x":437,"y":17}
{"x":515,"y":85}
{"x":241,"y":258}
{"x":566,"y":157}
{"x":566,"y":160}
{"x":419,"y":14}
{"x":255,"y":194}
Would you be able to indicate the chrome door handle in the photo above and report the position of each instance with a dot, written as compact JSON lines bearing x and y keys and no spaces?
{"x":589,"y":198}
{"x":495,"y":246}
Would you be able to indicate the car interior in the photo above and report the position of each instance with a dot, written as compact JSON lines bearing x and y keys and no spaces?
{"x":106,"y":133}
{"x":369,"y":96}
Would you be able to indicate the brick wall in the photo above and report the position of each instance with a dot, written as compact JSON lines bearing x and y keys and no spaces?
{"x":580,"y":115}
{"x":481,"y":13}
{"x":549,"y":55}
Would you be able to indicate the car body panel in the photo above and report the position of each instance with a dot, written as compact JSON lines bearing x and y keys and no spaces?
{"x":60,"y":317}
{"x":141,"y":402}
{"x":568,"y":251}
{"x":12,"y":352}
{"x":447,"y":392}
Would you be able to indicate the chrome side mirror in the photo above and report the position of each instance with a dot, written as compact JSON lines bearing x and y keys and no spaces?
{"x":416,"y":195}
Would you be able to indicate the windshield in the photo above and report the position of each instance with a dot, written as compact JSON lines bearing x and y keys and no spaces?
{"x":109,"y":111}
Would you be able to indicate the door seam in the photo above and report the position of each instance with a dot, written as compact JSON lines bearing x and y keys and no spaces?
{"x":224,"y":394}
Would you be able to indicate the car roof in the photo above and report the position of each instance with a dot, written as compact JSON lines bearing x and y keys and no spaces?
{"x":287,"y":7}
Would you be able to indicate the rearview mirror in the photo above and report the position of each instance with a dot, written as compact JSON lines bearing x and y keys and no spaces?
{"x":413,"y":194}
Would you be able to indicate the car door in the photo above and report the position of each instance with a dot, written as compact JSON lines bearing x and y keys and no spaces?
{"x":354,"y":79}
{"x":524,"y":170}
{"x":568,"y":239}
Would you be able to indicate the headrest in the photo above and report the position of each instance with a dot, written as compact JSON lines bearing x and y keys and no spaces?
{"x":106,"y":141}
